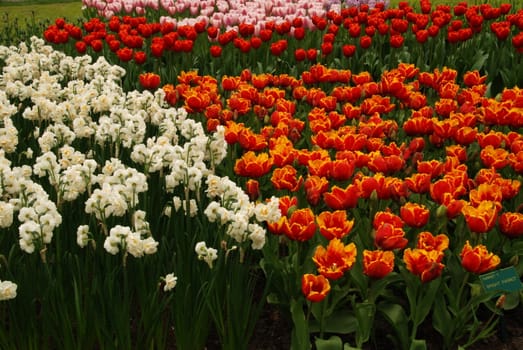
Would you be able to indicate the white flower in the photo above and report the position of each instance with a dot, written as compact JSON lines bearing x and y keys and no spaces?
{"x":7,"y":290}
{"x":82,"y":235}
{"x":257,"y":236}
{"x":200,"y":249}
{"x":237,"y":228}
{"x":117,"y":237}
{"x":134,"y":244}
{"x":6,"y":214}
{"x":269,"y":211}
{"x":206,"y":254}
{"x":170,"y":282}
{"x":112,"y":245}
{"x":150,"y":246}
{"x":212,"y":254}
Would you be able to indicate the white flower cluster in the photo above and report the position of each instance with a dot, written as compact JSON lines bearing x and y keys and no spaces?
{"x":137,"y":243}
{"x":118,"y":192}
{"x":231,"y":207}
{"x":71,"y":174}
{"x":196,"y":158}
{"x":92,"y":103}
{"x":37,"y":214}
{"x":8,"y":132}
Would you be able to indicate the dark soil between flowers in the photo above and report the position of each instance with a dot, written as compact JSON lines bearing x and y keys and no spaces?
{"x":273,"y":332}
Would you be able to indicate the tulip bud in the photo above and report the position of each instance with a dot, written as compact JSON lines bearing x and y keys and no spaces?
{"x":374,"y":196}
{"x":475,"y":290}
{"x":441,"y":212}
{"x":500,"y":303}
{"x":291,"y":210}
{"x":514,"y":260}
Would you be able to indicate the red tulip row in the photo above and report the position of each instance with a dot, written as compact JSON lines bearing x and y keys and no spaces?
{"x":345,"y":33}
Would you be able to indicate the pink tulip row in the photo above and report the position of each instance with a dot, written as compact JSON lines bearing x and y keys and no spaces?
{"x":226,"y":14}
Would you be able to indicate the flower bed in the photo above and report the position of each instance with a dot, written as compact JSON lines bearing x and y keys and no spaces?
{"x":155,"y":192}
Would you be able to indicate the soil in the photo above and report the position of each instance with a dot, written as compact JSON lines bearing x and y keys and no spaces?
{"x":273,"y":333}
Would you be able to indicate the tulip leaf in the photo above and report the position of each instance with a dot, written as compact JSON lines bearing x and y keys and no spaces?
{"x":300,"y":332}
{"x":512,"y":300}
{"x":442,"y":320}
{"x":515,"y":248}
{"x":341,"y":322}
{"x":333,"y":343}
{"x":426,"y":302}
{"x":479,"y":60}
{"x":347,"y":346}
{"x":397,"y":318}
{"x":418,"y":344}
{"x":365,"y":315}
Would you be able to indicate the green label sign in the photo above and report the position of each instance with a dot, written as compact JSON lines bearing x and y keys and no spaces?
{"x":504,"y":280}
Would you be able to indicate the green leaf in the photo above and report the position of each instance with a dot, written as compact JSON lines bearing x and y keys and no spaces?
{"x":342,"y":321}
{"x":515,"y":248}
{"x":479,"y":60}
{"x":512,"y":300}
{"x":418,"y":344}
{"x":426,"y":303}
{"x":333,"y":343}
{"x":397,"y":318}
{"x":365,"y":315}
{"x":442,"y":320}
{"x":300,"y":333}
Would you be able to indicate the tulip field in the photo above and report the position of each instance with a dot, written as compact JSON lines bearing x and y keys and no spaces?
{"x":170,"y":169}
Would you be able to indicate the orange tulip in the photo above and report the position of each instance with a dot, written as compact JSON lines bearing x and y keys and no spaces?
{"x":428,"y":241}
{"x":486,"y":192}
{"x":301,"y":225}
{"x":516,"y":161}
{"x":414,"y":215}
{"x":315,"y":187}
{"x":418,"y":126}
{"x":320,"y":167}
{"x":252,"y":187}
{"x":423,"y":263}
{"x":285,"y":179}
{"x":492,"y":157}
{"x":481,"y":218}
{"x":282,"y":151}
{"x":315,"y":288}
{"x":378,"y":263}
{"x":196,"y":100}
{"x":239,"y":104}
{"x":388,"y":237}
{"x":287,"y":204}
{"x":342,"y":169}
{"x":251,"y":141}
{"x":382,"y":217}
{"x":252,"y":165}
{"x":492,"y":138}
{"x":342,"y":198}
{"x":418,"y":182}
{"x":369,"y":184}
{"x":334,"y":224}
{"x":477,"y":259}
{"x":473,"y":78}
{"x":334,"y":261}
{"x":511,"y":224}
{"x":433,"y":167}
{"x":230,"y":83}
{"x":232,"y":132}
